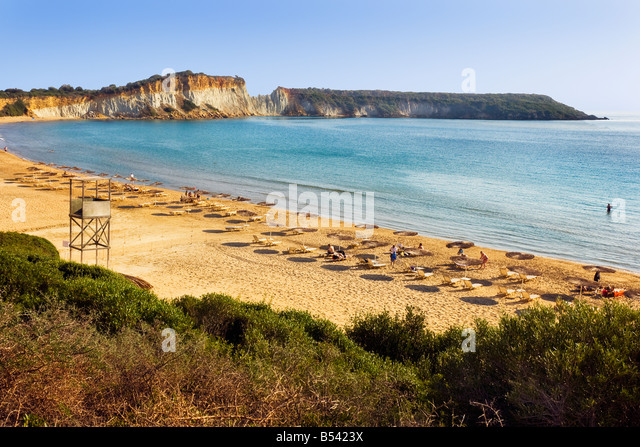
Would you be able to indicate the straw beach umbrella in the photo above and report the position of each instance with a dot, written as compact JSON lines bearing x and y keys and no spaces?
{"x":405,"y":233}
{"x":582,"y":283}
{"x":460,"y":244}
{"x":597,"y":268}
{"x":524,"y":270}
{"x":518,"y":255}
{"x":465,"y":261}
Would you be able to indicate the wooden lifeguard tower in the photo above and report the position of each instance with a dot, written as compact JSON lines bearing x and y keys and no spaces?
{"x":90,"y":216}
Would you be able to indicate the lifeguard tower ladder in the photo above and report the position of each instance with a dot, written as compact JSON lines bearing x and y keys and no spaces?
{"x":90,"y":216}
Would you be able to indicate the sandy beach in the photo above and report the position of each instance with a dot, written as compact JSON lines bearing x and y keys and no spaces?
{"x":194,"y":253}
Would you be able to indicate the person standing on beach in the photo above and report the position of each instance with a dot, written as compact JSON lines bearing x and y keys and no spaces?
{"x":484,"y":258}
{"x":394,"y":255}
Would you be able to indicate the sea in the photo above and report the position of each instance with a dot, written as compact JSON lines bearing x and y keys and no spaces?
{"x":540,"y":187}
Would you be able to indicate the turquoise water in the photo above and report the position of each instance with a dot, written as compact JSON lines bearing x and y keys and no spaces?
{"x":538,"y":187}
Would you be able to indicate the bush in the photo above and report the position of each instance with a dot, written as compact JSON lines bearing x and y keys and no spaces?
{"x":18,"y":108}
{"x":26,"y":245}
{"x":404,"y":339}
{"x":188,"y":106}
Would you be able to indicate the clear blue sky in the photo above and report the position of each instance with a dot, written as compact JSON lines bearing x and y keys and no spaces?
{"x":583,"y":53}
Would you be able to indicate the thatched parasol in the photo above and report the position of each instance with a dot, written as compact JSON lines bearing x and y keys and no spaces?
{"x":405,"y":233}
{"x":518,"y":255}
{"x":246,"y":213}
{"x":418,"y":252}
{"x":372,"y":244}
{"x":367,"y":226}
{"x":139,"y":282}
{"x":633,"y":294}
{"x":524,"y":270}
{"x":460,"y":244}
{"x":340,"y":236}
{"x":582,"y":282}
{"x":465,"y":260}
{"x":597,"y":268}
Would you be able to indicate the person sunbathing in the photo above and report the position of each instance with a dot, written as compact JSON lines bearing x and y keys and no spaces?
{"x":339,"y":255}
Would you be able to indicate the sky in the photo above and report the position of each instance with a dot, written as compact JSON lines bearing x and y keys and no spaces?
{"x":582,"y":53}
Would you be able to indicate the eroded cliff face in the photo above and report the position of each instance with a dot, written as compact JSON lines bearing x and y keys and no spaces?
{"x":213,"y":96}
{"x":199,"y":96}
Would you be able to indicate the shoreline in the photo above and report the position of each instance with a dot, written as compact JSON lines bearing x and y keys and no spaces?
{"x":194,"y":254}
{"x":410,"y":228}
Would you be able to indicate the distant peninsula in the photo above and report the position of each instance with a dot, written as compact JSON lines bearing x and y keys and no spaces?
{"x":187,"y":95}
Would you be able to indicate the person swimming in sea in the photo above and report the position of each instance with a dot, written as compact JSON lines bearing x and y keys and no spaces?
{"x":608,"y":208}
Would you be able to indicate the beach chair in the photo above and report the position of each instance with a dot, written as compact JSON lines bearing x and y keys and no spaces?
{"x":508,"y":273}
{"x":230,"y":213}
{"x":467,"y":284}
{"x":271,"y":242}
{"x":525,"y":278}
{"x":421,"y":274}
{"x":306,"y":249}
{"x":529,"y":297}
{"x":176,"y":213}
{"x":256,"y":218}
{"x":451,"y":281}
{"x":259,"y":240}
{"x":293,"y":250}
{"x":509,"y":293}
{"x":373,"y":264}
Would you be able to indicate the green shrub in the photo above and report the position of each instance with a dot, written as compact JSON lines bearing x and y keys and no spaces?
{"x":18,"y":108}
{"x":404,"y":339}
{"x":25,"y":245}
{"x":188,"y":106}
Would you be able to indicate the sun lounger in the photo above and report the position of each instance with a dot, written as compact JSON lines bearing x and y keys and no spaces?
{"x":236,"y":228}
{"x":306,"y":249}
{"x":256,"y":218}
{"x":467,"y":284}
{"x":509,"y":293}
{"x":373,"y":264}
{"x":259,"y":240}
{"x":529,"y":297}
{"x":176,"y":213}
{"x":230,"y":213}
{"x":271,"y":242}
{"x":508,"y":273}
{"x":421,"y":274}
{"x":451,"y":281}
{"x":524,"y":277}
{"x":145,"y":205}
